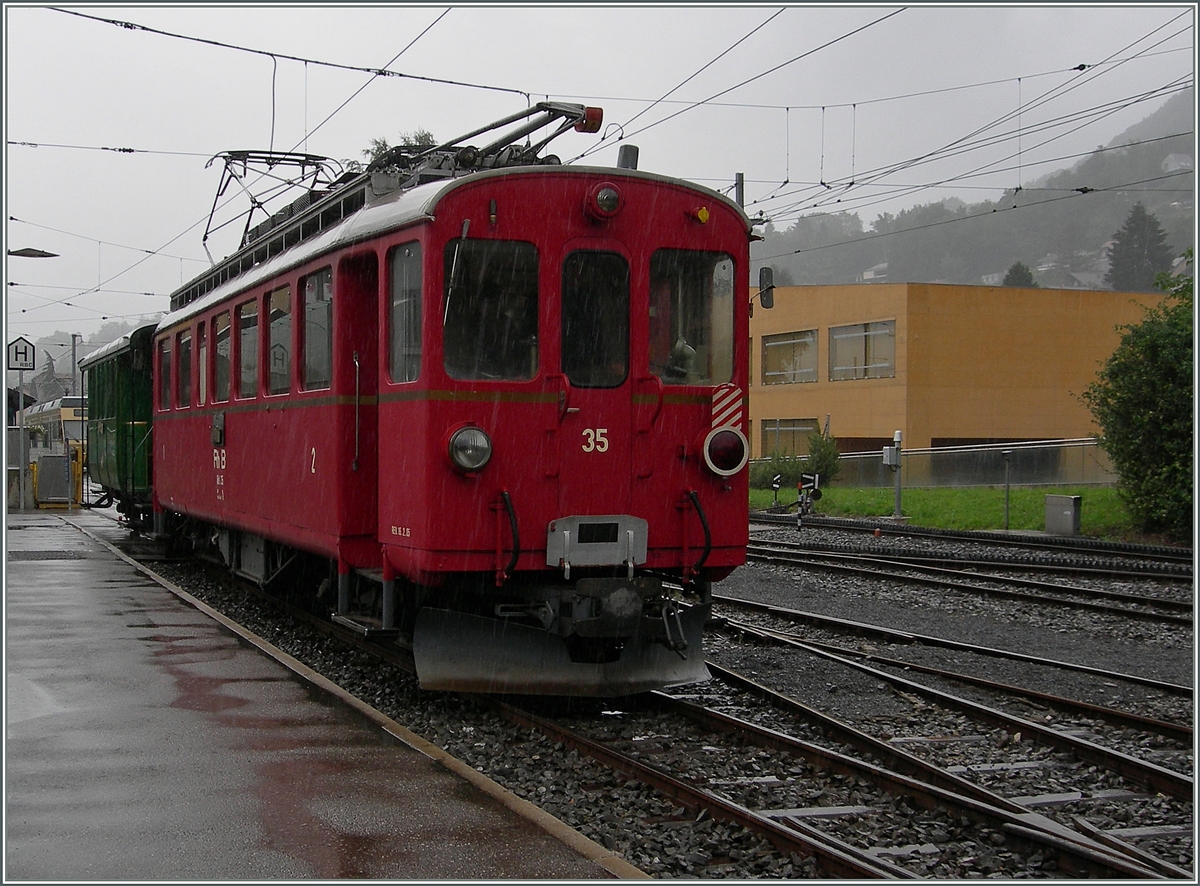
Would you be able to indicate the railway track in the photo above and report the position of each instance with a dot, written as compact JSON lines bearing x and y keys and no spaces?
{"x":813,"y":839}
{"x":842,"y":628}
{"x":885,"y":812}
{"x":855,"y":817}
{"x":1020,"y":541}
{"x":1170,"y":600}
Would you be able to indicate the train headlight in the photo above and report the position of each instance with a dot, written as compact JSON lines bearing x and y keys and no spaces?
{"x":470,"y":449}
{"x":725,"y":451}
{"x":604,"y":201}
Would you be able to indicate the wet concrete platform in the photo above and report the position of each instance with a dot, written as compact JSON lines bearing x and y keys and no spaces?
{"x":146,"y":741}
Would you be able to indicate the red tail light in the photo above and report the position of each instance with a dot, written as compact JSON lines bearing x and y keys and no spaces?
{"x":725,"y":451}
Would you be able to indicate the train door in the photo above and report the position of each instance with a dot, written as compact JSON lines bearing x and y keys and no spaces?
{"x":595,"y":406}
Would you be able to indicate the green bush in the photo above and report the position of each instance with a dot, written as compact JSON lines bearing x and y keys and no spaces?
{"x":789,"y":467}
{"x":1143,"y":403}
{"x":823,"y":455}
{"x":822,"y":459}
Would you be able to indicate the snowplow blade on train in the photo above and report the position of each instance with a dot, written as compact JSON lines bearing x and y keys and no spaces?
{"x":461,"y":652}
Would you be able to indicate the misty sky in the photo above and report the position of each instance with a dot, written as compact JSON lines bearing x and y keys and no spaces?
{"x":861,"y":108}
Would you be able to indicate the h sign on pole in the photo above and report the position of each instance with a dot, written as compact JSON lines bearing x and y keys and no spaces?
{"x":21,"y":355}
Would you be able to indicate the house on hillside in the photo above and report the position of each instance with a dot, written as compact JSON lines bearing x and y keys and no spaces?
{"x":1176,"y":162}
{"x":875,"y":274}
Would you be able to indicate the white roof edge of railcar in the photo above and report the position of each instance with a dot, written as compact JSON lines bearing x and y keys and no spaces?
{"x":115,"y":346}
{"x":392,"y":212}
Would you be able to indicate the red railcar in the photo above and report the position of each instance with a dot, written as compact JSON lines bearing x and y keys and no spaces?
{"x":504,"y":397}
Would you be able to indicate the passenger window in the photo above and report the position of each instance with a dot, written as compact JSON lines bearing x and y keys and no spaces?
{"x":183,"y":394}
{"x":248,"y":349}
{"x":595,"y":319}
{"x":202,"y":366}
{"x":318,"y":330}
{"x":490,"y":322}
{"x":404,"y":317}
{"x":279,"y":304}
{"x":691,"y":317}
{"x":164,"y":375}
{"x":223,"y":354}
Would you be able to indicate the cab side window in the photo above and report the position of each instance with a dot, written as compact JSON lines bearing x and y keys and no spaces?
{"x":404,"y":314}
{"x":691,"y":317}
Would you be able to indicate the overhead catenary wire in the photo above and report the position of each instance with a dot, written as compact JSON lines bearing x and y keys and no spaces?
{"x":770,"y":106}
{"x":375,"y":72}
{"x":1095,"y":113}
{"x":748,"y":80}
{"x":705,"y":67}
{"x":202,"y":220}
{"x":955,"y":183}
{"x":1044,"y":98}
{"x":903,"y":191}
{"x":13,"y":218}
{"x":379,"y":72}
{"x":1077,"y":194}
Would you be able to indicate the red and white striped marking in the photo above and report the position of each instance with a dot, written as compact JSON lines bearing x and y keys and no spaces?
{"x":727,"y":407}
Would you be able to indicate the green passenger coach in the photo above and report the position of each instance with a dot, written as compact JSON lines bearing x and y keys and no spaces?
{"x":119,"y":423}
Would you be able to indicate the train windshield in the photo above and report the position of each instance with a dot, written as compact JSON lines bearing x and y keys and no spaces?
{"x":691,"y":317}
{"x":595,"y":319}
{"x":491,"y":310}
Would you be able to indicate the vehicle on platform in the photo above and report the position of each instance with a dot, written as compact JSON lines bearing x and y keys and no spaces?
{"x":478,"y":399}
{"x":119,"y":418}
{"x":55,"y":427}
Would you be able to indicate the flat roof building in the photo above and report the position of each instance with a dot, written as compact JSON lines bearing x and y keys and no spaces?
{"x":946,"y":365}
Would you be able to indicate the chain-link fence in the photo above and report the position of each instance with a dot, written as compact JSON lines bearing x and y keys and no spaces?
{"x":1079,"y":462}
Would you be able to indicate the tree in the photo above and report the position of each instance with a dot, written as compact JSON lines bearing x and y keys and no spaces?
{"x":1143,"y":403}
{"x":823,"y":455}
{"x":1020,"y":275}
{"x":1138,"y":253}
{"x":421,"y":138}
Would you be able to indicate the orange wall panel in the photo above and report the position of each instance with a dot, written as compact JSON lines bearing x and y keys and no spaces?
{"x":979,"y":362}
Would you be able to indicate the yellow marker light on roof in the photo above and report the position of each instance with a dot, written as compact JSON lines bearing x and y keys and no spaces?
{"x":701,"y":215}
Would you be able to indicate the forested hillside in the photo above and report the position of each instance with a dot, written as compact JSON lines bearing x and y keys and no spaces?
{"x":1058,"y":225}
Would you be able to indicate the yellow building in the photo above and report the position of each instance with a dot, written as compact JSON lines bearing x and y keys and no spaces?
{"x":947,"y":365}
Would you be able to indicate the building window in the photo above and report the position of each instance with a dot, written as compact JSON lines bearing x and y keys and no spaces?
{"x":404,"y":330}
{"x":789,"y":358}
{"x":164,"y":374}
{"x":318,"y":329}
{"x":863,"y":350}
{"x":248,"y":349}
{"x":279,"y":303}
{"x":786,"y":436}
{"x":223,"y":353}
{"x":183,"y":395}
